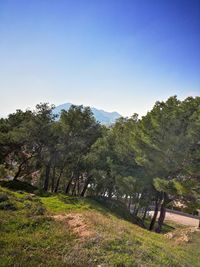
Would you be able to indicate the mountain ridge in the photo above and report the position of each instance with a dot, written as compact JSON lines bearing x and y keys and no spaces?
{"x":100,"y":115}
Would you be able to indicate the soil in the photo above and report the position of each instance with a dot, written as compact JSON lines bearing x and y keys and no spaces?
{"x":76,"y":222}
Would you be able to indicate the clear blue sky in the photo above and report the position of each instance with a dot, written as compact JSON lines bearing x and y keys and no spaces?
{"x":120,"y":55}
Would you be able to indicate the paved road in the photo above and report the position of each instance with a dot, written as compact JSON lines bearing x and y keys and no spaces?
{"x":180,"y":219}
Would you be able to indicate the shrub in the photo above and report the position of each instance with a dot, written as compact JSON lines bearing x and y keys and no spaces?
{"x":6,"y":205}
{"x":18,"y":185}
{"x":3,"y":197}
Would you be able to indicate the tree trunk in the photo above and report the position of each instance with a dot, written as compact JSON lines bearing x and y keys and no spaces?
{"x":53,"y":179}
{"x":18,"y":172}
{"x":110,"y":193}
{"x":153,"y":220}
{"x":58,"y":181}
{"x":20,"y":167}
{"x":69,"y":183}
{"x":125,"y":200}
{"x":74,"y":187}
{"x":47,"y":174}
{"x":78,"y":187}
{"x":137,"y":204}
{"x":162,"y":213}
{"x":136,"y":209}
{"x":57,"y":185}
{"x":145,"y":213}
{"x":129,"y":203}
{"x":86,"y":185}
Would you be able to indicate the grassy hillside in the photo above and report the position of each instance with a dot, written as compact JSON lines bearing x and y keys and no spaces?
{"x":64,"y":231}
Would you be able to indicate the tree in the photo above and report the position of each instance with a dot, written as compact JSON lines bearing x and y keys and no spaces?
{"x":165,"y":143}
{"x":79,"y":131}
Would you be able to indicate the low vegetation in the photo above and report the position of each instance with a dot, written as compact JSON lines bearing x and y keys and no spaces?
{"x":36,"y":231}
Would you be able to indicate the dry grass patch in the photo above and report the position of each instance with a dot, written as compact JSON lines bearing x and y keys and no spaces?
{"x":76,"y":223}
{"x":182,"y":235}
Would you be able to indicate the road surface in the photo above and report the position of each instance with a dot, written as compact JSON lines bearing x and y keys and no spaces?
{"x":181,"y":219}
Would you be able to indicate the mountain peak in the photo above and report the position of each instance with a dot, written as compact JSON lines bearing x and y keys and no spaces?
{"x":102,"y":116}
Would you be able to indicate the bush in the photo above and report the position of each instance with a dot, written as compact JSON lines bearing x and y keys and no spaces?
{"x":3,"y":197}
{"x":34,"y":208}
{"x":3,"y":171}
{"x":18,"y":186}
{"x":40,"y":210}
{"x":42,"y":193}
{"x":6,"y":205}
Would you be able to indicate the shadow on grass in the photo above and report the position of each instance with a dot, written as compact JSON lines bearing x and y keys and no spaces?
{"x":120,"y":210}
{"x":116,"y":207}
{"x":166,"y":228}
{"x":104,"y":205}
{"x":17,"y":185}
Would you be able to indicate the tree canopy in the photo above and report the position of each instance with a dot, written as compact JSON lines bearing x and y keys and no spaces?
{"x":146,"y":161}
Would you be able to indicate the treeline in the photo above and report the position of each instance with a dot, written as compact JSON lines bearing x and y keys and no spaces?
{"x":152,"y":161}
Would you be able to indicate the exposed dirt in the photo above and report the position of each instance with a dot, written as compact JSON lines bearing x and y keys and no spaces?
{"x":182,"y":235}
{"x":77,"y":224}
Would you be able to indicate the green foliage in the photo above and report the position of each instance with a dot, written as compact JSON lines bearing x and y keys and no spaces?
{"x":168,"y":186}
{"x":3,"y":171}
{"x":76,"y":155}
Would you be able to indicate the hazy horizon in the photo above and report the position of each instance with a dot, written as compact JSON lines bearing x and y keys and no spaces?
{"x":3,"y":115}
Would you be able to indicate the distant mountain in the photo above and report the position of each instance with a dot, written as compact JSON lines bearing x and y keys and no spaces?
{"x":102,"y":116}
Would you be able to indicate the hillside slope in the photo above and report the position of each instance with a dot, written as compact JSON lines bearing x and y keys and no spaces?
{"x":64,"y":231}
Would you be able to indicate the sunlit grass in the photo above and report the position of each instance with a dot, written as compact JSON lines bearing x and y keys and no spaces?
{"x":29,"y":236}
{"x":61,"y":203}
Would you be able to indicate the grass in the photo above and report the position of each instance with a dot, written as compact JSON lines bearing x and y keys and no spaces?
{"x":61,"y":203}
{"x":29,"y":236}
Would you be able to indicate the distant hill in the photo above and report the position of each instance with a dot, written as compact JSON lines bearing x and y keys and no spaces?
{"x":102,"y":116}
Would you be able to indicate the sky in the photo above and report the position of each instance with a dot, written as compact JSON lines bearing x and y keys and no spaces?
{"x":117,"y":55}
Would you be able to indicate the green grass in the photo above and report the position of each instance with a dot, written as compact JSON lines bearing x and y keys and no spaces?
{"x":61,"y":203}
{"x":29,"y":236}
